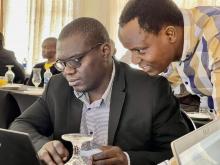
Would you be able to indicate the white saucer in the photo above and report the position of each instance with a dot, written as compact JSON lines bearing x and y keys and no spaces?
{"x":12,"y":86}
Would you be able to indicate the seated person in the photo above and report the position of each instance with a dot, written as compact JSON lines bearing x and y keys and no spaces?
{"x":49,"y":53}
{"x":133,"y":116}
{"x":7,"y":57}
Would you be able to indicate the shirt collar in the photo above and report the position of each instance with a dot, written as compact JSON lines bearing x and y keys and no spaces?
{"x":187,"y":30}
{"x":106,"y":95}
{"x":192,"y":34}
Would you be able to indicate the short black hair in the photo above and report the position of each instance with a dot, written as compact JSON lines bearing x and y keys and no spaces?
{"x":91,"y":29}
{"x":52,"y":39}
{"x":152,"y":15}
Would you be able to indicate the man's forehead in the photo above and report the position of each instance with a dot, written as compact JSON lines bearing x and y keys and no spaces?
{"x":49,"y":43}
{"x":69,"y":46}
{"x":132,"y":35}
{"x":79,"y":38}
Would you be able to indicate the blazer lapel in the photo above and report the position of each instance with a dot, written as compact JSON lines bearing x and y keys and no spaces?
{"x":117,"y":101}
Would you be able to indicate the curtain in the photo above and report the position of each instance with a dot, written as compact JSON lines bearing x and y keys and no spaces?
{"x":1,"y":15}
{"x":116,"y":7}
{"x":46,"y":18}
{"x":28,"y":22}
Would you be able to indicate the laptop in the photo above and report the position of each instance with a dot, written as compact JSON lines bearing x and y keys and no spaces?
{"x":16,"y":149}
{"x":199,"y":147}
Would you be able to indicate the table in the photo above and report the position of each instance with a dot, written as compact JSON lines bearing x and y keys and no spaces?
{"x":191,"y":104}
{"x":14,"y":102}
{"x":200,"y":119}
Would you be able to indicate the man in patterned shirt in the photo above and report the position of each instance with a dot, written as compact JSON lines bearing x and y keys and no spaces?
{"x":159,"y":33}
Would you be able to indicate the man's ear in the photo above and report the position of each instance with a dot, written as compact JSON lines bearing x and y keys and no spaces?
{"x":171,"y":33}
{"x":106,"y":49}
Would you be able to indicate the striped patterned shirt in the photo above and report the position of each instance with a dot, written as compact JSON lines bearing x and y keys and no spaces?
{"x":199,"y":66}
{"x":95,"y":115}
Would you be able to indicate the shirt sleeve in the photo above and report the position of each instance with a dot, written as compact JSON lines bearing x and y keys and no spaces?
{"x":128,"y":158}
{"x":214,"y":66}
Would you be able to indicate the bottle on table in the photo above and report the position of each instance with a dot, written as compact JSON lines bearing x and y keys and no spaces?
{"x":10,"y":74}
{"x":24,"y":64}
{"x":47,"y":76}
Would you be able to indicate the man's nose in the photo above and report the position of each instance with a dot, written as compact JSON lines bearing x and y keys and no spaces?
{"x":135,"y":59}
{"x":69,"y":70}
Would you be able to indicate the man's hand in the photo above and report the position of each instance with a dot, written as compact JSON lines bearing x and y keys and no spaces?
{"x":110,"y":155}
{"x":53,"y":153}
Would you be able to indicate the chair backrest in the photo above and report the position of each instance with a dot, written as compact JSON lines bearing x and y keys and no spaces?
{"x":188,"y":120}
{"x":9,"y":109}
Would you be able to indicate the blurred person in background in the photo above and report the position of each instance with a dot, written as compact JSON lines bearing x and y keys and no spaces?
{"x":49,"y":53}
{"x":7,"y":57}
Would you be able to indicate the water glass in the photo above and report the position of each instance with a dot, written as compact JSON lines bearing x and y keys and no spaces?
{"x":36,"y":79}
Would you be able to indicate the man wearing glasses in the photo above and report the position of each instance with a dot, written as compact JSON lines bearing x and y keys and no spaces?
{"x":133,"y":117}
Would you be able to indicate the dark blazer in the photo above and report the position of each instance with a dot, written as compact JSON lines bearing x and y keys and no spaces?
{"x":53,"y":70}
{"x":7,"y":57}
{"x":144,"y":115}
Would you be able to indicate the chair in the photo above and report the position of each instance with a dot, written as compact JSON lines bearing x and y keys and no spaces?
{"x":9,"y":109}
{"x":188,"y":120}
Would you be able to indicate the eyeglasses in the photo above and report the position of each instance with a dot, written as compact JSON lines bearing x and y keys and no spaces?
{"x":74,"y":61}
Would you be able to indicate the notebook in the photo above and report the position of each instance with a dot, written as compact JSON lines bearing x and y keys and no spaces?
{"x":16,"y":149}
{"x":199,"y":147}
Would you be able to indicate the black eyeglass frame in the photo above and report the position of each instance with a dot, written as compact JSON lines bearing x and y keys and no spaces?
{"x":73,"y":61}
